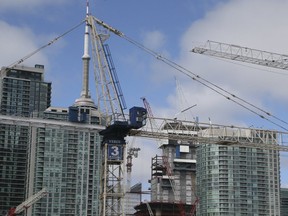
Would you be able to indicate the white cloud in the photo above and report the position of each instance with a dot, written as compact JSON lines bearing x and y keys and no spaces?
{"x":256,"y":24}
{"x":154,"y":40}
{"x":141,"y":171}
{"x":16,"y":43}
{"x":259,"y":24}
{"x":13,"y":5}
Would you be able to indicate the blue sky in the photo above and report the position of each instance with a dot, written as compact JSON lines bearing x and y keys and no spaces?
{"x":171,"y":28}
{"x":165,"y":22}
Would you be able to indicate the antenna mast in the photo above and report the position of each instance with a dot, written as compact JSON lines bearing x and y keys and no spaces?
{"x":85,"y":98}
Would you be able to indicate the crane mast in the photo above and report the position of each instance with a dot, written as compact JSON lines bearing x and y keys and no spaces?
{"x":109,"y":94}
{"x":113,"y":151}
{"x":243,"y":54}
{"x":111,"y":103}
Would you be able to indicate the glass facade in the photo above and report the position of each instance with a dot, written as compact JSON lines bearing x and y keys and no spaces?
{"x":13,"y":165}
{"x":67,"y":164}
{"x":64,"y":160}
{"x":284,"y":201}
{"x":237,"y":181}
{"x":230,"y":180}
{"x":22,"y":93}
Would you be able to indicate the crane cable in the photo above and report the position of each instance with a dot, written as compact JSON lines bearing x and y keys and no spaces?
{"x":172,"y":64}
{"x":44,"y":46}
{"x":234,"y":96}
{"x":198,"y":78}
{"x":210,"y":85}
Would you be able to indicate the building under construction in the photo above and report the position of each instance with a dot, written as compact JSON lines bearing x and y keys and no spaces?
{"x":77,"y":153}
{"x":226,"y":180}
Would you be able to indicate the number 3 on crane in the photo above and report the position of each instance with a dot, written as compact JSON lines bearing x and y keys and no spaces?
{"x":115,"y":152}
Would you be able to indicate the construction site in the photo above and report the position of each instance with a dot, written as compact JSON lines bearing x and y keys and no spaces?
{"x":76,"y":160}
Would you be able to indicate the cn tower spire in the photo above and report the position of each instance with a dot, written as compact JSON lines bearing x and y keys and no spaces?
{"x":86,"y":57}
{"x":85,"y":99}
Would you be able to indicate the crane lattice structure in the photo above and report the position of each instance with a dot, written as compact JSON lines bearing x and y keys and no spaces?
{"x":112,"y":195}
{"x":111,"y":100}
{"x":243,"y":54}
{"x":191,"y":131}
{"x":149,"y":208}
{"x":109,"y":93}
{"x":27,"y":203}
{"x":208,"y":133}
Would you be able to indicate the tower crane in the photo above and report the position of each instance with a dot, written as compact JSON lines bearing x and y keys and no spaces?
{"x":243,"y":54}
{"x":109,"y":93}
{"x":132,"y":152}
{"x":190,"y":131}
{"x":27,"y":203}
{"x":111,"y":101}
{"x":114,"y":145}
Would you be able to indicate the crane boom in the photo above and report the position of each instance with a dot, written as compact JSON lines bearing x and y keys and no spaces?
{"x":27,"y":203}
{"x":243,"y":54}
{"x":204,"y":133}
{"x":109,"y":94}
{"x":151,"y":119}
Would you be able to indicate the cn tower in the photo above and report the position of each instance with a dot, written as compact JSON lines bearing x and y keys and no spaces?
{"x":85,"y":98}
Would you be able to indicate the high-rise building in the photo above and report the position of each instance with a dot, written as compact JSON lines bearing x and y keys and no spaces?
{"x":235,"y":180}
{"x":23,"y":92}
{"x":62,"y":154}
{"x":67,"y":163}
{"x":284,"y":201}
{"x":132,"y":198}
{"x":173,"y":177}
{"x":64,"y":159}
{"x":228,"y":180}
{"x":173,"y":180}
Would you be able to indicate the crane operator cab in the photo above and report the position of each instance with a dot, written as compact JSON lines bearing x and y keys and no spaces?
{"x":137,"y":119}
{"x":138,"y":116}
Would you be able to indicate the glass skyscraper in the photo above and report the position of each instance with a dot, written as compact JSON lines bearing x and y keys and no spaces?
{"x":63,"y":157}
{"x":231,"y":179}
{"x":23,"y":92}
{"x":67,"y":163}
{"x":237,"y":181}
{"x":284,"y":201}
